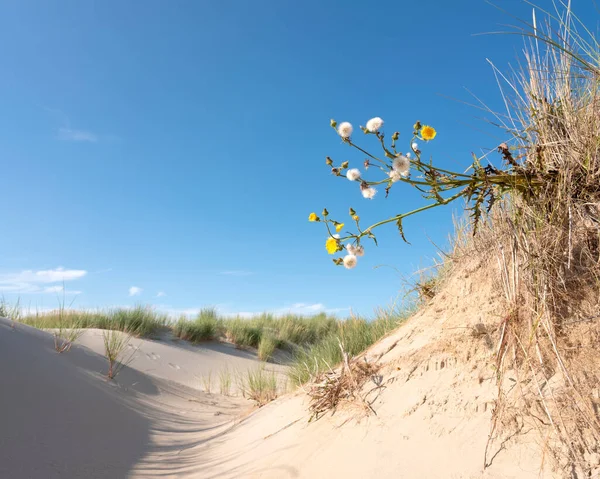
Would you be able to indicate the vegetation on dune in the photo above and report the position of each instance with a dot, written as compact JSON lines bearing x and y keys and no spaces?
{"x":259,"y":385}
{"x":286,"y":332}
{"x":354,"y":335}
{"x":116,"y":344}
{"x":535,"y":224}
{"x":139,"y":321}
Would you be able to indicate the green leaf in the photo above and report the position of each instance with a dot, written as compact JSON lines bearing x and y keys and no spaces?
{"x":401,"y":230}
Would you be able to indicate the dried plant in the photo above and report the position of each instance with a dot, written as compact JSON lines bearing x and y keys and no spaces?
{"x":344,"y":383}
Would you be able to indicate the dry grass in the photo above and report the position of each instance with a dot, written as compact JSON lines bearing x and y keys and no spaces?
{"x":544,"y":245}
{"x":344,"y":384}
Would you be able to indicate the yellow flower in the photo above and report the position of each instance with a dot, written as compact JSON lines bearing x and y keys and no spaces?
{"x":355,"y":218}
{"x":331,"y":245}
{"x":428,"y":132}
{"x":339,"y":227}
{"x":313,"y":217}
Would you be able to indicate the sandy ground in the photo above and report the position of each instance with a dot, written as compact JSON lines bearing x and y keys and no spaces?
{"x":191,"y":365}
{"x":59,"y":417}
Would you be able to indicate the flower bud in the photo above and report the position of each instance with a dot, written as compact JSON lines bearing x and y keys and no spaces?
{"x":355,"y":217}
{"x":417,"y":126}
{"x":344,"y":165}
{"x":395,"y":136}
{"x":333,"y":123}
{"x":352,"y":212}
{"x":328,"y":161}
{"x":325,"y":212}
{"x":335,"y":171}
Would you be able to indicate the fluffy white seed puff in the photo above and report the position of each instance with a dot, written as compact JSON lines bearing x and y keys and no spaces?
{"x":394,"y":176}
{"x":345,"y":130}
{"x":350,"y":261}
{"x":415,"y":146}
{"x":355,"y":250}
{"x":401,"y":164}
{"x":353,"y":174}
{"x":368,"y":193}
{"x":374,"y":124}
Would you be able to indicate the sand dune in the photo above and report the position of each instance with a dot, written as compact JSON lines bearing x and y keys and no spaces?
{"x":61,"y":418}
{"x":432,"y":414}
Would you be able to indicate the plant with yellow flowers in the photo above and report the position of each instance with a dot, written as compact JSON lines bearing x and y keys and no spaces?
{"x":480,"y":186}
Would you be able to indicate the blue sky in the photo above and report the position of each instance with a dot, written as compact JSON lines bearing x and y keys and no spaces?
{"x":178,"y":147}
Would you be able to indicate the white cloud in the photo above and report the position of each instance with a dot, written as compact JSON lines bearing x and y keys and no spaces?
{"x":161,"y":294}
{"x":59,"y":289}
{"x":69,"y":134}
{"x":237,"y":272}
{"x":30,"y":281}
{"x":135,"y":291}
{"x":305,"y":309}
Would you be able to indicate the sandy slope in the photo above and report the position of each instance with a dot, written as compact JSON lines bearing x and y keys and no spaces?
{"x":432,"y":413}
{"x":60,"y":417}
{"x":182,"y":362}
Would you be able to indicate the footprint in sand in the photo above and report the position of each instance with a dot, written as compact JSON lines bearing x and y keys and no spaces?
{"x":174,"y":366}
{"x":152,"y":356}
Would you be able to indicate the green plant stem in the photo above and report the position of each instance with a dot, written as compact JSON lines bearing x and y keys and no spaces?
{"x":418,"y":210}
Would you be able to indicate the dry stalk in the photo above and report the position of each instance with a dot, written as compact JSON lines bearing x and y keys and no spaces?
{"x":343,"y":384}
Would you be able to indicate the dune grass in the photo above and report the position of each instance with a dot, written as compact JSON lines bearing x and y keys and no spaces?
{"x":115,"y":345}
{"x":286,"y":332}
{"x":139,"y":321}
{"x":354,"y":334}
{"x":259,"y":385}
{"x":266,"y":347}
{"x":205,"y":327}
{"x":225,"y":382}
{"x":313,"y":341}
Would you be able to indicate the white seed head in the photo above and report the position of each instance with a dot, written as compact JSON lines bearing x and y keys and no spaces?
{"x":345,"y":130}
{"x":374,"y":124}
{"x":401,"y":164}
{"x":394,"y":176}
{"x":415,"y":146}
{"x":368,"y":192}
{"x":408,"y":155}
{"x":359,"y":251}
{"x":353,"y":174}
{"x":350,"y":261}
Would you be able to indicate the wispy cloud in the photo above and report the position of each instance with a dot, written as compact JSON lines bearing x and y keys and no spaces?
{"x":237,"y":272}
{"x":161,"y":294}
{"x":135,"y":291}
{"x":305,"y":309}
{"x":69,"y":134}
{"x":40,"y":281}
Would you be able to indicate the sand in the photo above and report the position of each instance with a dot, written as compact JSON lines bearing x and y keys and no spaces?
{"x":59,"y":417}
